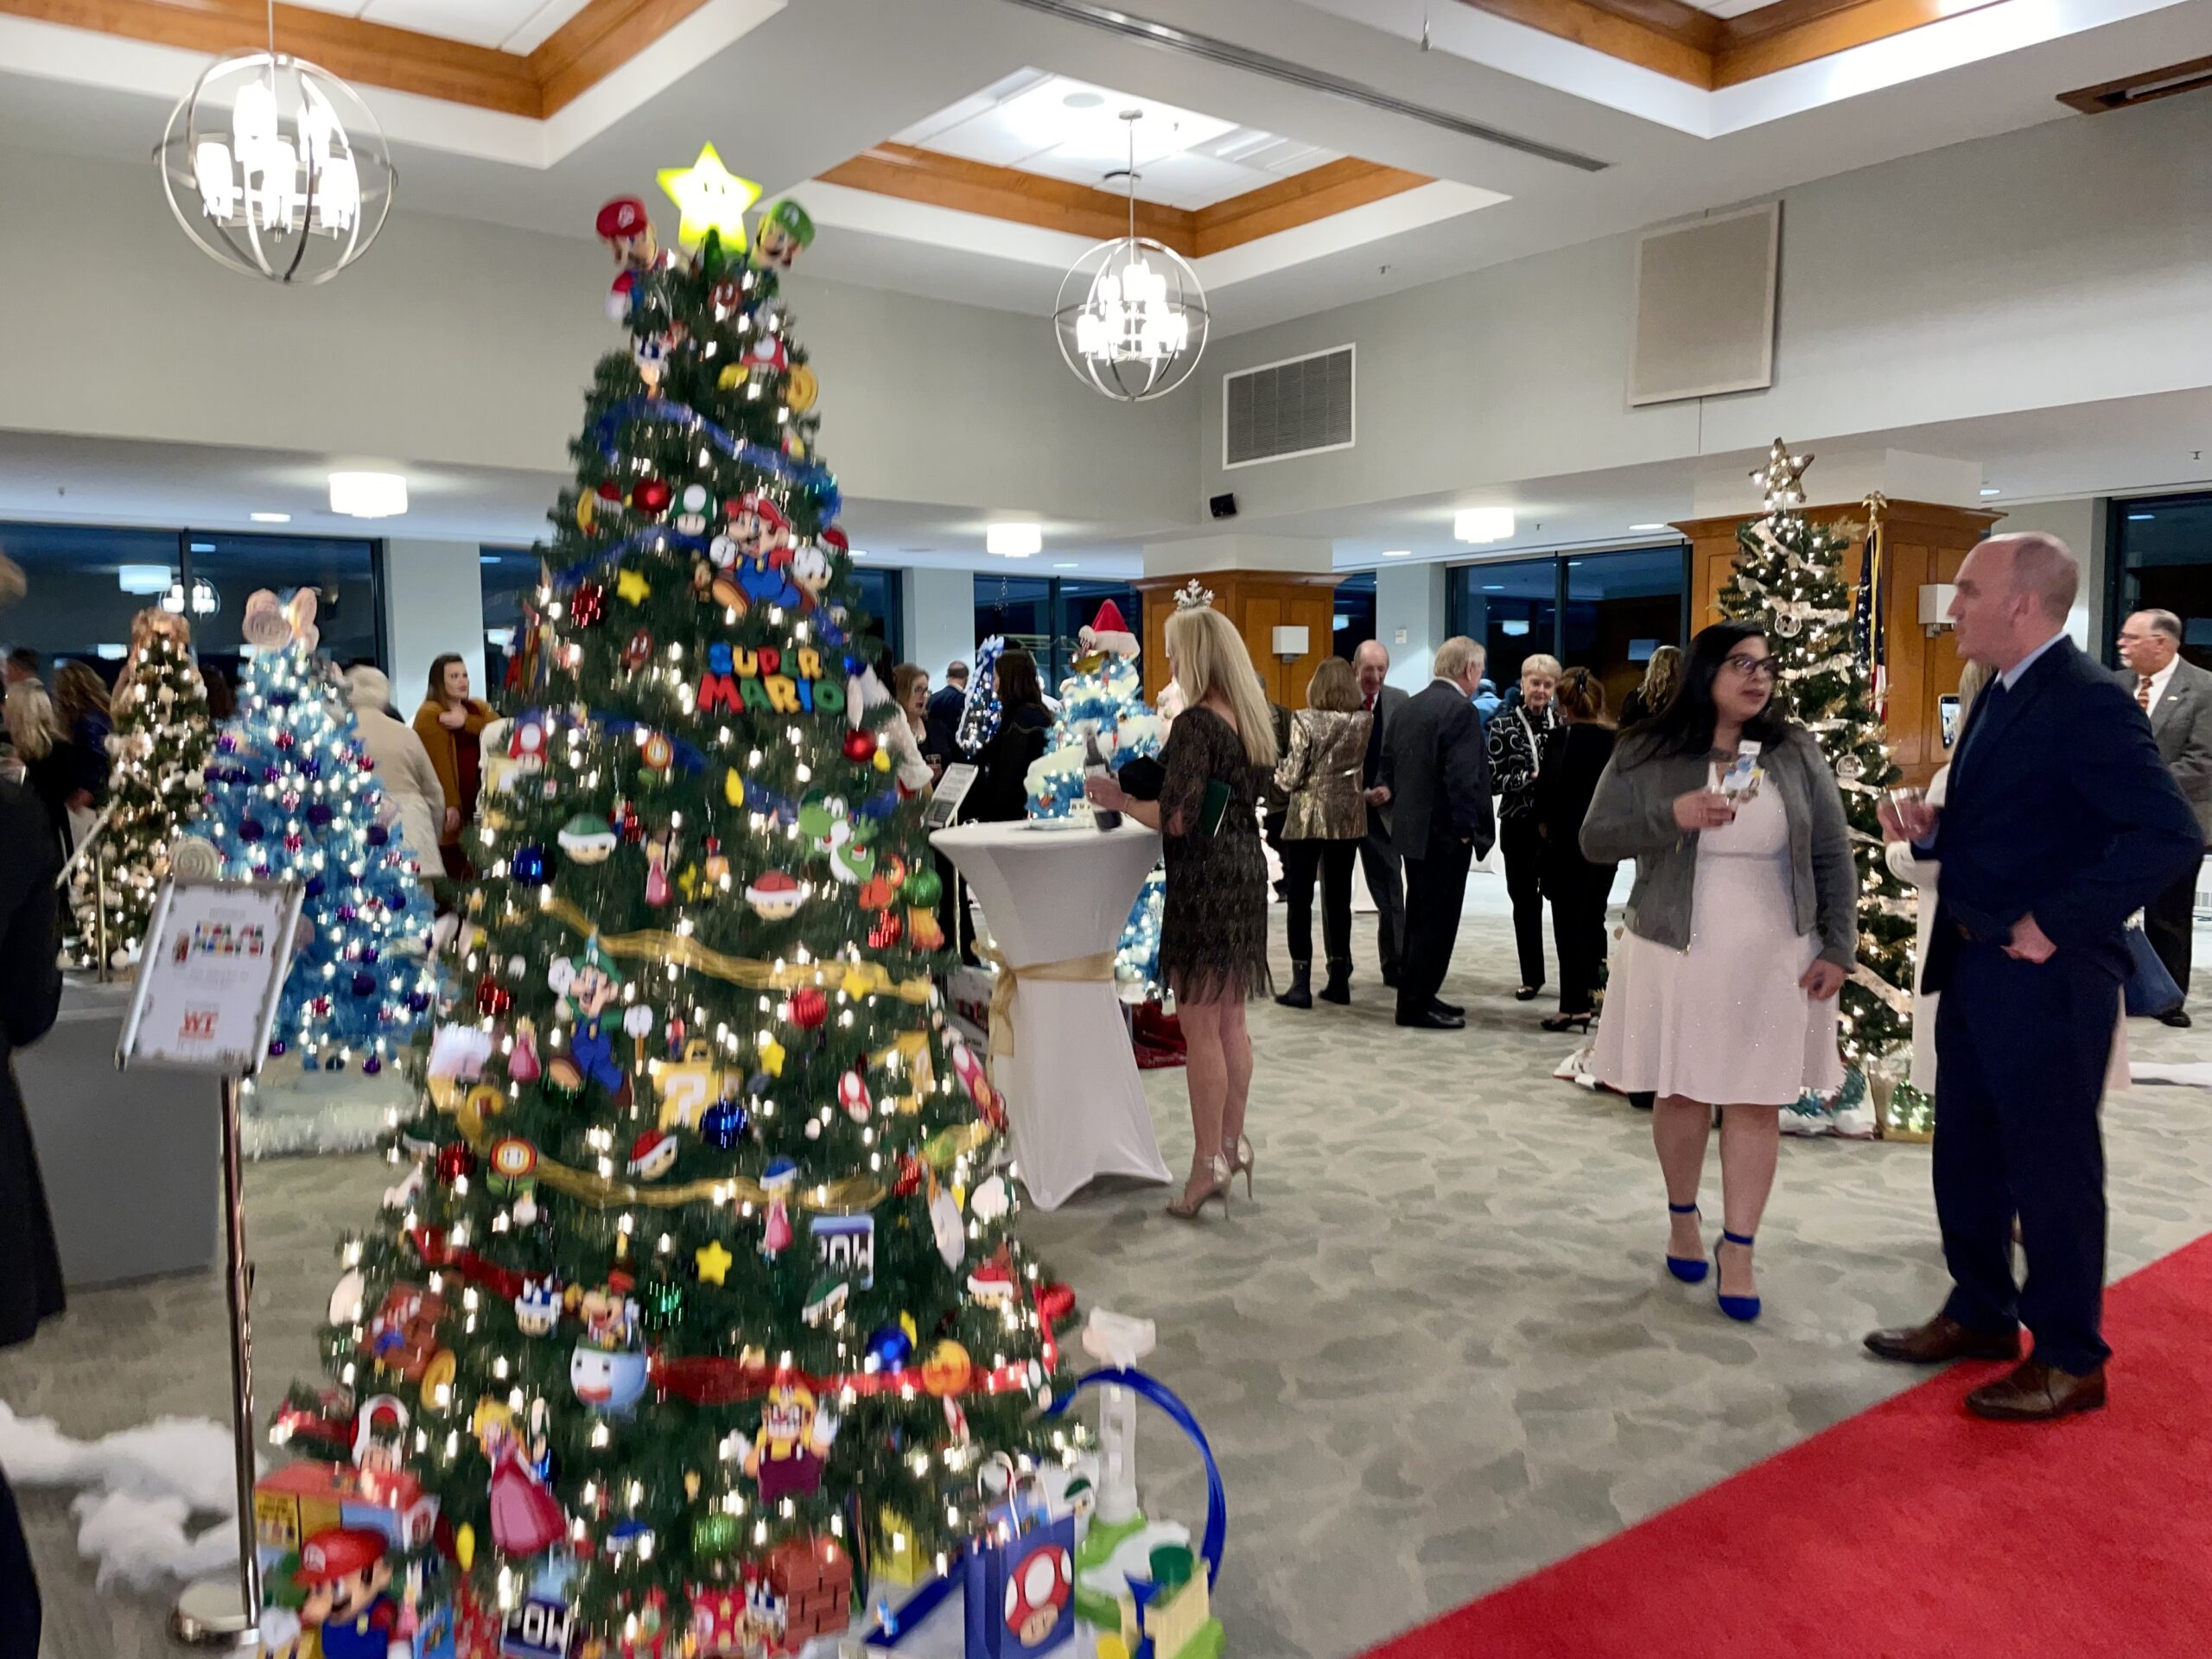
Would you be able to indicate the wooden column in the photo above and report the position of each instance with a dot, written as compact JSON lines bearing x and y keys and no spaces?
{"x":1258,"y":602}
{"x":1922,"y":542}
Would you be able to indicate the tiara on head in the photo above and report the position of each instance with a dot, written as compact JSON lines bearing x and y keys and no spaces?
{"x":1192,"y":597}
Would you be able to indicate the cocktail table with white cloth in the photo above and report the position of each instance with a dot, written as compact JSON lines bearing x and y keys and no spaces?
{"x":1056,"y":900}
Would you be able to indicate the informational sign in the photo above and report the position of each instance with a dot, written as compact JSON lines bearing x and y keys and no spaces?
{"x":951,"y":790}
{"x":209,"y":976}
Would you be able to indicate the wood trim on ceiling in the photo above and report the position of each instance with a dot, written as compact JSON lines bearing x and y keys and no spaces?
{"x":2145,"y":87}
{"x":1678,"y":40}
{"x":936,"y":179}
{"x":599,"y":39}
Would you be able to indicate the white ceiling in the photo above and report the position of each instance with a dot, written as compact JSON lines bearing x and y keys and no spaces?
{"x":518,"y":26}
{"x":787,"y":91}
{"x":1036,"y":122}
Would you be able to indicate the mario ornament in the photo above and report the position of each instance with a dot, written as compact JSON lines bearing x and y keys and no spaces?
{"x":346,"y":1576}
{"x":794,"y":1437}
{"x":784,"y":228}
{"x":623,"y":225}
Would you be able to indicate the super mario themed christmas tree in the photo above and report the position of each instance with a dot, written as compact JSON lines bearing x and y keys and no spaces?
{"x":704,"y":1286}
{"x":292,"y":794}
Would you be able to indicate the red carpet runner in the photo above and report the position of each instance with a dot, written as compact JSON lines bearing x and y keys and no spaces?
{"x":1913,"y":1530}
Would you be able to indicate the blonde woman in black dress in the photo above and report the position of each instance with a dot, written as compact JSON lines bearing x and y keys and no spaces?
{"x":1213,"y":931}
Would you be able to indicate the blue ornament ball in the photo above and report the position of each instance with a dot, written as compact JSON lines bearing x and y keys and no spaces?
{"x":276,"y":1045}
{"x":252,"y":829}
{"x":227,"y":743}
{"x":371,"y":1067}
{"x":319,"y":813}
{"x":418,"y":1001}
{"x":890,"y":1348}
{"x":723,"y":1124}
{"x":378,"y":835}
{"x":311,"y":766}
{"x":364,"y":984}
{"x":395,"y":902}
{"x":315,"y":887}
{"x":271,"y":774}
{"x":369,"y":955}
{"x":528,"y":864}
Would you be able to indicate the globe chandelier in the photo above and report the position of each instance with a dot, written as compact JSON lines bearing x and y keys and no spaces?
{"x":1132,"y":314}
{"x":275,"y":168}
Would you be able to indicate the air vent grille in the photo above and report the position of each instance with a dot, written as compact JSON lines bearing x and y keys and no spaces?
{"x":1300,"y":407}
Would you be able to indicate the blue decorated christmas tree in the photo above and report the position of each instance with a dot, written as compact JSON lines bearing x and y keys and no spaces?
{"x":292,"y":794}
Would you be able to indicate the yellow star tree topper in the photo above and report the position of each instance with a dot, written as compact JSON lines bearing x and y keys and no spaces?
{"x":712,"y":197}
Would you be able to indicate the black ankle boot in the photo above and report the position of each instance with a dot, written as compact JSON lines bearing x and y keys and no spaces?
{"x":1300,"y":993}
{"x":1339,"y":989}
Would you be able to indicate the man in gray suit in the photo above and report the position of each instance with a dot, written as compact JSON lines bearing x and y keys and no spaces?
{"x":2177,"y":696}
{"x":1378,"y":859}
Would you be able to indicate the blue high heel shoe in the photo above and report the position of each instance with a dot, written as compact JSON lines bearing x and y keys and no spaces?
{"x":1690,"y":1269}
{"x":1743,"y":1309}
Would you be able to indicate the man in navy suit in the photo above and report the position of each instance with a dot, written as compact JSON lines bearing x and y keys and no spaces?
{"x":2060,"y":821}
{"x":1437,"y":772}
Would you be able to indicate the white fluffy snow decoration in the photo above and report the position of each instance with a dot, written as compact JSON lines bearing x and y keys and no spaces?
{"x":142,"y":1488}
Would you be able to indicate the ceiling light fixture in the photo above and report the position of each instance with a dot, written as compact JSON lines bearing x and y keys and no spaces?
{"x":274,"y":167}
{"x":1479,"y":524}
{"x":1988,"y":490}
{"x":1132,"y":314}
{"x":1646,"y":527}
{"x":1013,"y":541}
{"x":1399,"y":553}
{"x":142,"y":578}
{"x":368,"y":495}
{"x":270,"y":518}
{"x":1064,"y":564}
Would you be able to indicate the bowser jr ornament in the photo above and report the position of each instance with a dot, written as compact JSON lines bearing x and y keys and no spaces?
{"x":794,"y":1437}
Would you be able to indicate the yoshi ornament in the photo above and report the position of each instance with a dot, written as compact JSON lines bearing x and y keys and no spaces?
{"x":830,"y":826}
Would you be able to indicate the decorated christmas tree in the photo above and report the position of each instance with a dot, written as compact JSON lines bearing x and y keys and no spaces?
{"x":979,"y":715}
{"x":1102,"y":708}
{"x":1789,"y":579}
{"x":160,"y":742}
{"x":292,"y":794}
{"x":703,"y":1296}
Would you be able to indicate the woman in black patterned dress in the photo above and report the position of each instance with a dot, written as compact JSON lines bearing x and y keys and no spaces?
{"x":1213,"y":930}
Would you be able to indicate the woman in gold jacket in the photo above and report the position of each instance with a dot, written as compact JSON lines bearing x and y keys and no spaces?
{"x":1327,"y":821}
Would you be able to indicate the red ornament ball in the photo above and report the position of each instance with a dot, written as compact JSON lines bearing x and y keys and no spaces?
{"x":588,"y":604}
{"x":860,"y":745}
{"x":455,"y":1161}
{"x":608,"y":490}
{"x":492,"y":999}
{"x":651,"y":496}
{"x":285,"y":740}
{"x":910,"y":1177}
{"x":885,"y":933}
{"x":633,"y":827}
{"x":809,"y":1007}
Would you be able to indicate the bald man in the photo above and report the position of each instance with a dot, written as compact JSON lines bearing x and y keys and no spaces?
{"x":2060,"y":821}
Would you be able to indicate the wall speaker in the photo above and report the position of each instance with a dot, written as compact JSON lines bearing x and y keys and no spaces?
{"x":1222,"y":507}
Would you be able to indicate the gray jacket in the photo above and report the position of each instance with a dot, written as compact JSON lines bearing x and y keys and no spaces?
{"x":1633,"y":816}
{"x":2182,"y":722}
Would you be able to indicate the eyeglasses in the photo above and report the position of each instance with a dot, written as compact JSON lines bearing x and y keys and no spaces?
{"x":1749,"y":667}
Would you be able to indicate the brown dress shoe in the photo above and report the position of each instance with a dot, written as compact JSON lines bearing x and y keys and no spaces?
{"x":2033,"y":1392}
{"x":1940,"y":1341}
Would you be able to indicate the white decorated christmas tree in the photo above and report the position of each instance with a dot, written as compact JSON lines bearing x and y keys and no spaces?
{"x":160,"y":743}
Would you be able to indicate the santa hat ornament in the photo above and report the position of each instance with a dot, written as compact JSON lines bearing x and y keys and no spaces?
{"x":1108,"y":633}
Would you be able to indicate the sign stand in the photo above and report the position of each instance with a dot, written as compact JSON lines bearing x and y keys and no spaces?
{"x":209,"y":978}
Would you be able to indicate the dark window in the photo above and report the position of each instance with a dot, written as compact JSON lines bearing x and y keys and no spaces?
{"x":1605,"y":612}
{"x":1043,"y":615}
{"x":1355,"y":614}
{"x":881,"y":597}
{"x":2163,"y":561}
{"x":509,"y":576}
{"x":87,"y":581}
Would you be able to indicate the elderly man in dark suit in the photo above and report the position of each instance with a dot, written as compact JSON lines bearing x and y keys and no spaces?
{"x":1378,"y":858}
{"x":2178,"y":696}
{"x":2060,"y":820}
{"x":1437,"y":770}
{"x":942,"y":714}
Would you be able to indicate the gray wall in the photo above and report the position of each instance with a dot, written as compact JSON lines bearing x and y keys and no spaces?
{"x":2068,"y":262}
{"x":472,"y":344}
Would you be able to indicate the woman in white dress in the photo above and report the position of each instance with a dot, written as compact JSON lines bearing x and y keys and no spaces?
{"x":1741,"y":928}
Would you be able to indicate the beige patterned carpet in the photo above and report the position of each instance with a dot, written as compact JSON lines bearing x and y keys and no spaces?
{"x":1437,"y":1351}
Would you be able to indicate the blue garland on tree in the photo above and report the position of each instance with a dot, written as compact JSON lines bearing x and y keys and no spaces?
{"x":292,"y":794}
